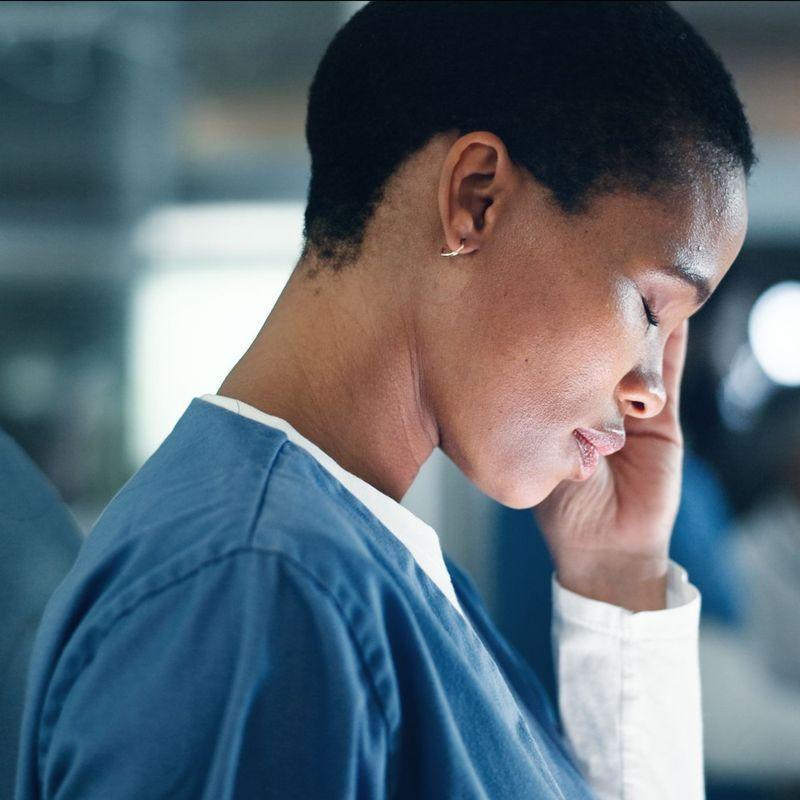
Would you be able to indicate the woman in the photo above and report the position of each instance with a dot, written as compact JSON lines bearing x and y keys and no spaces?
{"x":255,"y":615}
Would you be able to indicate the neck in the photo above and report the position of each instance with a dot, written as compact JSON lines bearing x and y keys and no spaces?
{"x":344,"y":373}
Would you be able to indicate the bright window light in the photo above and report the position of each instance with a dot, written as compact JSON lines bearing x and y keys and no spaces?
{"x":774,"y":332}
{"x":221,"y":233}
{"x":213,"y":274}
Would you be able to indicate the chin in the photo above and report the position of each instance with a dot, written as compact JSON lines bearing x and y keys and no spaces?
{"x":518,"y":493}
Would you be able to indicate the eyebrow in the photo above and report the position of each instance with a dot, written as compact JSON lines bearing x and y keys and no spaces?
{"x":701,"y":286}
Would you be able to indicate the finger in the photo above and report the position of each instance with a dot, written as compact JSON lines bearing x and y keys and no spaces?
{"x":674,"y":360}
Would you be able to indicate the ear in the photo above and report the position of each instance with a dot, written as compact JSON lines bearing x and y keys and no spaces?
{"x":476,"y":180}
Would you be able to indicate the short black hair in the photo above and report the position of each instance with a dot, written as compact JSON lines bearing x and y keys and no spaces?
{"x":590,"y":97}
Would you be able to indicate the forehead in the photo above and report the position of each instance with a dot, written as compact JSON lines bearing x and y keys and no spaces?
{"x":701,"y":225}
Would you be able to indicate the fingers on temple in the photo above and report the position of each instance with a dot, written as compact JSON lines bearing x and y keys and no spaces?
{"x":674,"y":360}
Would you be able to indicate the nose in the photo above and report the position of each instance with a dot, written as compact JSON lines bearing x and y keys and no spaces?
{"x":641,"y":393}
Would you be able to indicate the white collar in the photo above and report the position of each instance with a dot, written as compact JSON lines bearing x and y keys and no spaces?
{"x":418,"y":537}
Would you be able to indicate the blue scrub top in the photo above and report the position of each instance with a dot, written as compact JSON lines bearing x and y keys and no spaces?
{"x":239,"y":625}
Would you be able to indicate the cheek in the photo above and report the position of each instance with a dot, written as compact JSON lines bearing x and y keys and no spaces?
{"x":599,"y":349}
{"x":528,"y":378}
{"x":570,"y":370}
{"x":570,"y":382}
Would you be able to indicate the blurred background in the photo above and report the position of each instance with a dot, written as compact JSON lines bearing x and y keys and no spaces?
{"x":153,"y":171}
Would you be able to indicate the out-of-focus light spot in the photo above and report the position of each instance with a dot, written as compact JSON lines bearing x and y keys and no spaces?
{"x":774,"y":332}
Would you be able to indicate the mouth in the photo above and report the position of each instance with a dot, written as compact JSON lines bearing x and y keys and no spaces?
{"x":594,"y":443}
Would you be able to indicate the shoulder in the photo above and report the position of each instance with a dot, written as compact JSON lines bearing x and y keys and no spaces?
{"x":227,"y":533}
{"x":262,"y":553}
{"x":235,"y":617}
{"x":243,"y":592}
{"x":220,"y":483}
{"x":243,"y":647}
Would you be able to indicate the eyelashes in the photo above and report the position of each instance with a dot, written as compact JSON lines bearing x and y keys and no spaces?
{"x":652,"y":318}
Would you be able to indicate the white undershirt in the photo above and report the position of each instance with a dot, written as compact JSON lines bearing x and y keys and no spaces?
{"x":628,"y":682}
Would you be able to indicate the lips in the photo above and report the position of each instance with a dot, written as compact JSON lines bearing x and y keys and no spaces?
{"x":593,"y":443}
{"x":604,"y":441}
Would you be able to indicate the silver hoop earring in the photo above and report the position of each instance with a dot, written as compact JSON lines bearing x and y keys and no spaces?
{"x":453,"y":252}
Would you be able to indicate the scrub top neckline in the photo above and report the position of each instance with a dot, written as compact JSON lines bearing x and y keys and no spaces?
{"x":419,"y":538}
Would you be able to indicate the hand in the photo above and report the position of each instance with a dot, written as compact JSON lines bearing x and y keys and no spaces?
{"x":609,"y":535}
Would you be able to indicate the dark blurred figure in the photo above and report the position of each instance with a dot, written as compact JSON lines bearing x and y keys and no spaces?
{"x":38,"y":543}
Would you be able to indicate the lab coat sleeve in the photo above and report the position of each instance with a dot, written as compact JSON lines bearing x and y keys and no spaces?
{"x":629,"y":692}
{"x":239,"y":680}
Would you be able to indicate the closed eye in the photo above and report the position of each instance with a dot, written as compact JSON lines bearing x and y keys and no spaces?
{"x":652,"y":318}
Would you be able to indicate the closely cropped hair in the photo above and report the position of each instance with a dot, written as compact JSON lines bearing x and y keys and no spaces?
{"x":589,"y":97}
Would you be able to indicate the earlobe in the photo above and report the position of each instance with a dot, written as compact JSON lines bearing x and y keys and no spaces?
{"x":468,"y":185}
{"x":453,"y":226}
{"x":446,"y":252}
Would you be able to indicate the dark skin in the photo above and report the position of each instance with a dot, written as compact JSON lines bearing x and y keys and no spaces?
{"x":498,"y":354}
